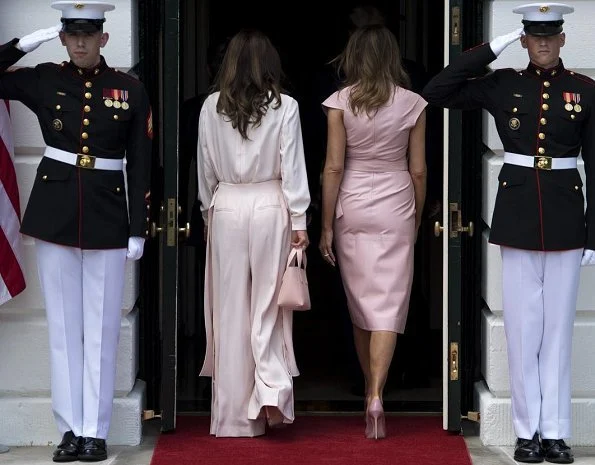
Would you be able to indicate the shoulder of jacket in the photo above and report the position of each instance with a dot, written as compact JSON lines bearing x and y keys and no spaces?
{"x":126,"y":76}
{"x":50,"y":66}
{"x":506,"y":71}
{"x":581,"y":77}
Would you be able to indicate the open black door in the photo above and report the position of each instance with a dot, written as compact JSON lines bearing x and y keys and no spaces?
{"x":159,"y":69}
{"x":462,"y":210}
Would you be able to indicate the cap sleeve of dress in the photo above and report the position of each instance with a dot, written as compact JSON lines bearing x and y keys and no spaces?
{"x":336,"y":100}
{"x":416,"y":105}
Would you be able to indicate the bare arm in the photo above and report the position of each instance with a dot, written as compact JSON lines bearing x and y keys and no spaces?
{"x":331,"y":179}
{"x":417,"y":165}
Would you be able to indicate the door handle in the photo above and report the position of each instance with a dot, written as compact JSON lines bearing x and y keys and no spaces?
{"x":438,"y":228}
{"x":155,"y":229}
{"x":185,"y":232}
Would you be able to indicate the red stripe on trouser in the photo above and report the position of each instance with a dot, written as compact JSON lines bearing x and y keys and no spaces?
{"x":10,"y":270}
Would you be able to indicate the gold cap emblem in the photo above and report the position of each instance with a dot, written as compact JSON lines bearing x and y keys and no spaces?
{"x":544,"y":9}
{"x":78,"y":6}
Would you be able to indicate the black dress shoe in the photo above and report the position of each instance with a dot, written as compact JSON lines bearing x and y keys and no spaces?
{"x":92,"y":450}
{"x":556,"y":451}
{"x":68,"y":449}
{"x":528,"y":450}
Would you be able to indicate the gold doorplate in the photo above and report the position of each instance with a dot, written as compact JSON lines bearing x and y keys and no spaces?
{"x":453,"y":361}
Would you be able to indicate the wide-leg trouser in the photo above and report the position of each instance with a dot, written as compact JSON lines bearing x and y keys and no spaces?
{"x":250,"y":241}
{"x":539,"y":297}
{"x":83,"y":298}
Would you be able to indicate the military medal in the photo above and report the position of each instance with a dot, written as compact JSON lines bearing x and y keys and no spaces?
{"x":125,"y":105}
{"x":117,"y":104}
{"x":57,"y":124}
{"x":108,"y":102}
{"x":577,"y":107}
{"x":567,"y":98}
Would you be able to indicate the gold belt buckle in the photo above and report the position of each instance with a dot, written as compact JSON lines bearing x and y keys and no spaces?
{"x":542,"y":163}
{"x":85,"y":161}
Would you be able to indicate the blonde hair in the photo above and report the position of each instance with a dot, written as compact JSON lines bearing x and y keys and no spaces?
{"x":371,"y":63}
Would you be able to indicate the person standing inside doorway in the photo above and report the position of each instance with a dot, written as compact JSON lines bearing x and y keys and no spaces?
{"x":545,"y":117}
{"x":85,"y":220}
{"x":373,"y":192}
{"x":254,"y":193}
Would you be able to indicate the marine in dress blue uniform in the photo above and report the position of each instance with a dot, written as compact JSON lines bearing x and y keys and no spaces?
{"x":86,"y":218}
{"x":545,"y":117}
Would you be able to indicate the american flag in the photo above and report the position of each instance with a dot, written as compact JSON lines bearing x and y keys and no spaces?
{"x":12,"y":279}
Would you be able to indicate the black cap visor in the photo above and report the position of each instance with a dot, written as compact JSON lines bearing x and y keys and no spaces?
{"x":543,"y":28}
{"x":82,"y":25}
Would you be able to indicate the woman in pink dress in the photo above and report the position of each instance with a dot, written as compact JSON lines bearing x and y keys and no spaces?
{"x":373,"y":189}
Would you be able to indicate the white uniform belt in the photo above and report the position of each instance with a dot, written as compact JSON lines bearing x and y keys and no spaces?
{"x":540,"y":162}
{"x":84,"y":161}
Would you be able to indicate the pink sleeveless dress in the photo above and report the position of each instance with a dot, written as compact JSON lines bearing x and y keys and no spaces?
{"x":375,"y":213}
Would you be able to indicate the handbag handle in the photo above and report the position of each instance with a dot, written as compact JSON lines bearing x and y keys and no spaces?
{"x":300,"y":256}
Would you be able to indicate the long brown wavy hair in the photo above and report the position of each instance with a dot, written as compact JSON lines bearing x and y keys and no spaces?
{"x":249,"y":80}
{"x":371,"y":64}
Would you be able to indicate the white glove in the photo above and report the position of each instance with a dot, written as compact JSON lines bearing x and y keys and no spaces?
{"x":31,"y":41}
{"x":501,"y":42}
{"x":588,"y":257}
{"x":135,"y":247}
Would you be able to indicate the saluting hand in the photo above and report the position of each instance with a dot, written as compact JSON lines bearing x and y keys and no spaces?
{"x":497,"y":44}
{"x":31,"y":41}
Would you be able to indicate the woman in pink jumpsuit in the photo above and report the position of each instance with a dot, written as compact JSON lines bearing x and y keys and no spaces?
{"x":254,"y":194}
{"x":373,"y":193}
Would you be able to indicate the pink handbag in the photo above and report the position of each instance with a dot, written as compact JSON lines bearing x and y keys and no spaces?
{"x":294,"y":293}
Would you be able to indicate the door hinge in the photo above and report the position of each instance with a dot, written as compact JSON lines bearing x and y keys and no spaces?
{"x":150,"y":414}
{"x":453,"y":361}
{"x":471,"y":416}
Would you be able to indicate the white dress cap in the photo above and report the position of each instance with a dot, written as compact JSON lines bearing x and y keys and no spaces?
{"x":543,"y":12}
{"x":82,"y":9}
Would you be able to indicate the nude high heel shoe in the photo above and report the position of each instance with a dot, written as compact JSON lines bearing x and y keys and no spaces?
{"x":375,"y":424}
{"x":274,"y":417}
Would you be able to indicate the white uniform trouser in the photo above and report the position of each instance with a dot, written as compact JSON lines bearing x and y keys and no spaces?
{"x":83,"y":298}
{"x":539,"y":298}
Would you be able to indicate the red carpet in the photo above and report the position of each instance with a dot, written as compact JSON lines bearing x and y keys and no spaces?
{"x":313,"y":440}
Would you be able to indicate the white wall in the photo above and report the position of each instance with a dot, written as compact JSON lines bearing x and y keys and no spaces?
{"x":24,"y":356}
{"x":493,"y":395}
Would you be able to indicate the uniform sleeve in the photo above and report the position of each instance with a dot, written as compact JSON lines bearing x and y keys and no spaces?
{"x":138,"y":165}
{"x":588,"y":154}
{"x":457,"y":86}
{"x":294,"y":180}
{"x":207,"y":180}
{"x":21,"y":84}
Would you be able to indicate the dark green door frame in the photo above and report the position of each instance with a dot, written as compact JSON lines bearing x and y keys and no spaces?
{"x":463,"y":232}
{"x":169,"y":237}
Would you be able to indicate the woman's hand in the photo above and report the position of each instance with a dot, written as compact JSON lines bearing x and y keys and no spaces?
{"x":326,"y":246}
{"x":299,"y":239}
